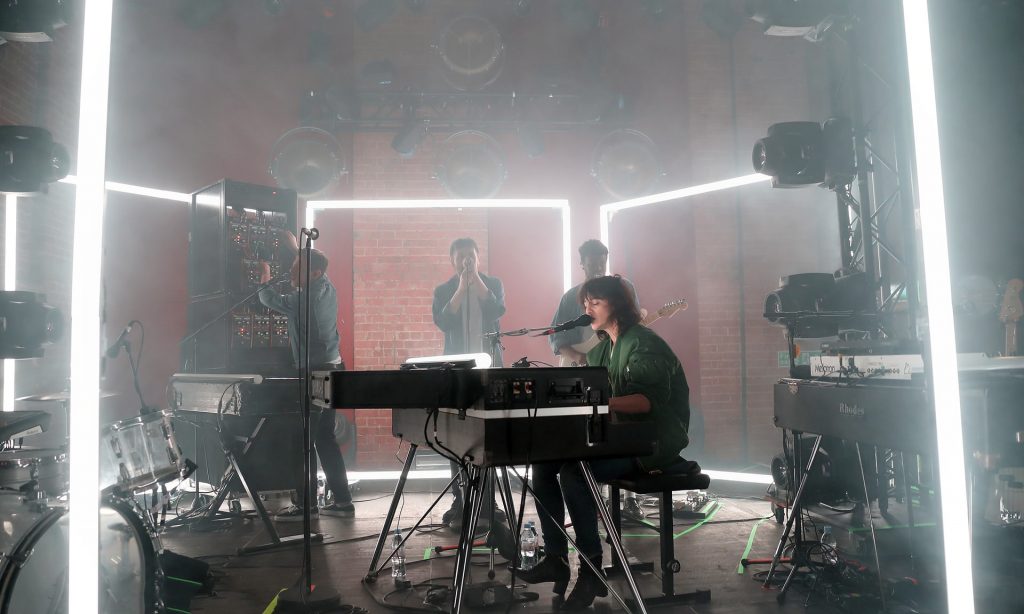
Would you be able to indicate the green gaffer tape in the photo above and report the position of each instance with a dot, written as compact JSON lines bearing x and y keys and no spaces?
{"x":717,"y":506}
{"x":186,"y":581}
{"x":750,"y":544}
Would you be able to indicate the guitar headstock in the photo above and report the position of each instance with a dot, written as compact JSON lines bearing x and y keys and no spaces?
{"x":670,"y":309}
{"x":1011,"y":309}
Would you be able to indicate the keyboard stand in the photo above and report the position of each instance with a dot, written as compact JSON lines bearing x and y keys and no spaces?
{"x":234,"y":472}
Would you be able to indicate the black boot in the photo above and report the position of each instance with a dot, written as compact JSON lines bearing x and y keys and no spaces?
{"x":588,"y":585}
{"x":552,"y":568}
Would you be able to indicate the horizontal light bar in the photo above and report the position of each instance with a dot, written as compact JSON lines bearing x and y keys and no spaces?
{"x":442,"y":203}
{"x":607,"y":211}
{"x":138,"y":190}
{"x":735,"y":476}
{"x":696,"y":190}
{"x":461,"y":203}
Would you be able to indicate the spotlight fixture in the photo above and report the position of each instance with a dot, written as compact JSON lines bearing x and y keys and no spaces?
{"x":27,"y":324}
{"x":626,"y":164}
{"x":810,"y":20}
{"x":472,"y":165}
{"x":29,"y":159}
{"x":409,"y":137}
{"x":307,"y":160}
{"x":472,"y":52}
{"x":796,"y":154}
{"x":32,"y":22}
{"x":814,"y":305}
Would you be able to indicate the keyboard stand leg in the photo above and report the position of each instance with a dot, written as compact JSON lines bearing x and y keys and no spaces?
{"x":475,"y":488}
{"x":794,"y":518}
{"x":385,"y":530}
{"x":871,"y":525}
{"x":613,"y":537}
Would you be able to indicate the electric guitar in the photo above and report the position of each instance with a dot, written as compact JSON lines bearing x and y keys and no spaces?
{"x":667,"y":311}
{"x":1009,"y":314}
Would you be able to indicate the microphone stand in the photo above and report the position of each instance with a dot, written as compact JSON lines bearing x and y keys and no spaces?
{"x":194,"y":335}
{"x":495,"y":338}
{"x":302,"y":599}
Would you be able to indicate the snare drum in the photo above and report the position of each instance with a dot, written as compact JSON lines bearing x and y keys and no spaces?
{"x":137,"y":453}
{"x":34,"y":572}
{"x":48,"y":467}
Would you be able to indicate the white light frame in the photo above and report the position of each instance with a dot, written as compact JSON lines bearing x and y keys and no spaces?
{"x":138,"y":190}
{"x":90,"y":204}
{"x":462,"y":203}
{"x":10,"y":281}
{"x":956,"y":533}
{"x":608,"y":211}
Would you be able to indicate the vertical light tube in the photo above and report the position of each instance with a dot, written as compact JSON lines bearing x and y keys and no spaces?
{"x":606,"y":218}
{"x":566,"y":249}
{"x":956,"y":529}
{"x":10,"y":274}
{"x":90,"y":203}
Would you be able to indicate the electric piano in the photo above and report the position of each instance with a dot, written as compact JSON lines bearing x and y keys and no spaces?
{"x":882,"y":400}
{"x":494,"y":416}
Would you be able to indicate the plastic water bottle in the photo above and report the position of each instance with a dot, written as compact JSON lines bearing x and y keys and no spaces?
{"x":829,"y":551}
{"x":398,"y":558}
{"x":528,"y":547}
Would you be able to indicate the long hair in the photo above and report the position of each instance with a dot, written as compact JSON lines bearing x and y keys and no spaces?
{"x":619,"y":295}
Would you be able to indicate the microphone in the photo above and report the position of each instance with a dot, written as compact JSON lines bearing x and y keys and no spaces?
{"x":583,"y":320}
{"x":115,"y":348}
{"x":312,"y":233}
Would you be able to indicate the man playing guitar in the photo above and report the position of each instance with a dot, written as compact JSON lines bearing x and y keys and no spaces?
{"x":571,"y":346}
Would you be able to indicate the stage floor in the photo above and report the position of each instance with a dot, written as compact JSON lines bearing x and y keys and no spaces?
{"x":737,"y":525}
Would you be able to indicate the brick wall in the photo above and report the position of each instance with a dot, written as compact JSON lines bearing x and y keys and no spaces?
{"x":192,"y":105}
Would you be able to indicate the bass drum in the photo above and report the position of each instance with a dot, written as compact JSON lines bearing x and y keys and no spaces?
{"x":34,"y":572}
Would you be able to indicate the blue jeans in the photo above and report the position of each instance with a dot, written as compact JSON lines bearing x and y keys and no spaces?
{"x":552,"y":501}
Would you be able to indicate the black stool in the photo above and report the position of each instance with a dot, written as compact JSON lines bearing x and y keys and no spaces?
{"x":684,"y":475}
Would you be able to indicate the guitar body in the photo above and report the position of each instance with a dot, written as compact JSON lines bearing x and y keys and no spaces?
{"x":590,"y":342}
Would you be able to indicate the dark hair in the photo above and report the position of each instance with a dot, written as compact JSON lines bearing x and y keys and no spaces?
{"x":619,"y":295}
{"x":317,"y":260}
{"x":592,"y":247}
{"x":458,"y":244}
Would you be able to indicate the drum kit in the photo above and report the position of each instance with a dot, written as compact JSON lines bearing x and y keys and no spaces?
{"x":137,"y":455}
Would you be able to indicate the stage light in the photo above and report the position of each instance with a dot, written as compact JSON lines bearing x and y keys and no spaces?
{"x":795,"y":154}
{"x":791,"y":154}
{"x":27,"y":324}
{"x":29,"y":159}
{"x":34,"y":21}
{"x":308,"y":161}
{"x":409,"y":137}
{"x":626,"y":164}
{"x":472,"y":165}
{"x":795,"y":17}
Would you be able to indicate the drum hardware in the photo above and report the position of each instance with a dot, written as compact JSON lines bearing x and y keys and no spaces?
{"x":33,"y":573}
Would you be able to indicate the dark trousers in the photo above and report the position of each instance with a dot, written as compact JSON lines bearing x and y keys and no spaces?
{"x":557,"y":486}
{"x":327,"y":448}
